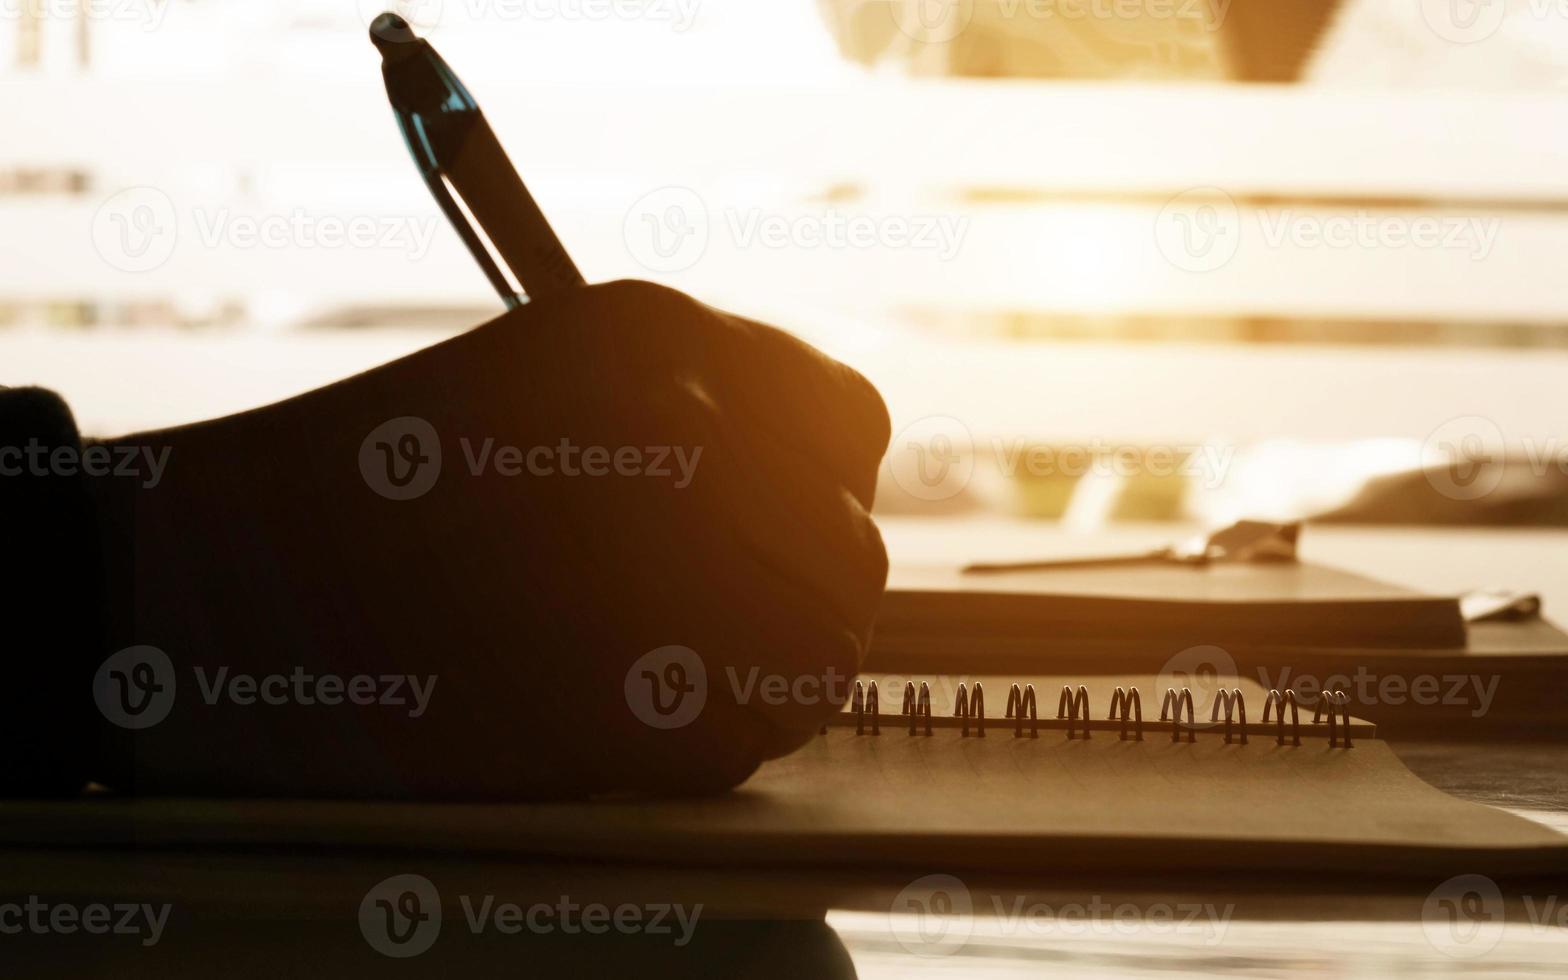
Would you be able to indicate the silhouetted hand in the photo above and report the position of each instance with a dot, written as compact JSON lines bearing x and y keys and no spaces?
{"x":595,"y":538}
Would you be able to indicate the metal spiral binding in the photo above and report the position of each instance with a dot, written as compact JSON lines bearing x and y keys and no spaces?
{"x":1018,"y":702}
{"x":1074,"y":705}
{"x":866,"y":700}
{"x":1335,"y":699}
{"x":1125,"y":714}
{"x":1275,"y":699}
{"x":1234,"y":704}
{"x":1171,"y":709}
{"x":916,"y":708}
{"x":1128,"y":706}
{"x":971,"y":707}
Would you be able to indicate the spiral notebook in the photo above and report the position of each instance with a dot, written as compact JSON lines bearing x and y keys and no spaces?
{"x":968,"y":787}
{"x":1069,"y":786}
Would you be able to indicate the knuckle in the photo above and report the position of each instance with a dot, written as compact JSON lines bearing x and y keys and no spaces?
{"x":649,"y":298}
{"x":870,"y":410}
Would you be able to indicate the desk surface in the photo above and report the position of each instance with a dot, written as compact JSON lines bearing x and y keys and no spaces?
{"x":267,"y":914}
{"x":1325,"y":928}
{"x":259,"y":913}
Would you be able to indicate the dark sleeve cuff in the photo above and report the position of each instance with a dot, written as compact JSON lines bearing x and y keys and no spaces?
{"x":52,"y":612}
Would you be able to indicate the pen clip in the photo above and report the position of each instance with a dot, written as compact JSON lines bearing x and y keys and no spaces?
{"x":411,"y":125}
{"x":465,"y":230}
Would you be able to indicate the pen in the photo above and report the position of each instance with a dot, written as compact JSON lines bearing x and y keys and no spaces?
{"x":464,"y":166}
{"x":1161,"y":556}
{"x":1244,"y":541}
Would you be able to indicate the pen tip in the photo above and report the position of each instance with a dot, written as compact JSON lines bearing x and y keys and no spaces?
{"x":388,"y":31}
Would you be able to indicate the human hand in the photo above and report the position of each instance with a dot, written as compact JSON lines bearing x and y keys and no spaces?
{"x":621,"y":470}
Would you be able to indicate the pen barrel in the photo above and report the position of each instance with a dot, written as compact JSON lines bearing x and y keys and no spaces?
{"x":483,"y":176}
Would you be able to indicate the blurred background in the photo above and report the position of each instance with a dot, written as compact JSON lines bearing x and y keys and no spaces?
{"x":1108,"y":260}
